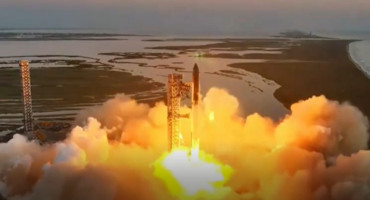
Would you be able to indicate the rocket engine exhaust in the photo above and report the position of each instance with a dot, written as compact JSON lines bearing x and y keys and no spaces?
{"x":318,"y":151}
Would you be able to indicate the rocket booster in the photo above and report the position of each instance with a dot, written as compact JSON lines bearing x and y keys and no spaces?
{"x":196,"y":87}
{"x":195,"y":110}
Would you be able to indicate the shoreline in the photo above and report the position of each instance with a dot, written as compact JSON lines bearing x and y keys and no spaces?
{"x":352,"y":57}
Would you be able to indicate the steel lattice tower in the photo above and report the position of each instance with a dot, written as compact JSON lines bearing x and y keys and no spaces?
{"x":176,"y":90}
{"x":27,"y":98}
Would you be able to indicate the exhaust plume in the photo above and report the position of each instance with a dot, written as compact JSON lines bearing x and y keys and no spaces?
{"x":118,"y":151}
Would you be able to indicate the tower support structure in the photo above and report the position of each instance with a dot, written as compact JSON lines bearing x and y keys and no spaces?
{"x":27,"y":98}
{"x":176,"y":90}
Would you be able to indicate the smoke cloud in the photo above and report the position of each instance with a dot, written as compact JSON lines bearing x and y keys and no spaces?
{"x":319,"y":151}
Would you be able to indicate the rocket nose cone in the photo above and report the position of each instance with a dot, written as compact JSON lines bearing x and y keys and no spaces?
{"x":195,"y":68}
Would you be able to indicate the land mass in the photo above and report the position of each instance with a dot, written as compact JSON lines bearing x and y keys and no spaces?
{"x":40,"y":36}
{"x":299,"y":34}
{"x":320,"y":67}
{"x":303,"y":68}
{"x":60,"y":92}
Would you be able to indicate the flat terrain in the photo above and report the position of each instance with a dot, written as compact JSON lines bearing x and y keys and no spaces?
{"x":317,"y":67}
{"x":45,"y":36}
{"x":70,"y":76}
{"x":303,"y":68}
{"x":62,"y":91}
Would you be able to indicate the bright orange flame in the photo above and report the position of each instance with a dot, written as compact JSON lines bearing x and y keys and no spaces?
{"x":181,"y":139}
{"x":198,"y":176}
{"x":212,"y":116}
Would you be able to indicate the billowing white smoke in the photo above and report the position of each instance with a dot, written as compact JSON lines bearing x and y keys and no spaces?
{"x":319,"y":151}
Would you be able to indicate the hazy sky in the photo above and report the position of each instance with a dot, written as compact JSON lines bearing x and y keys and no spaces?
{"x":202,"y":17}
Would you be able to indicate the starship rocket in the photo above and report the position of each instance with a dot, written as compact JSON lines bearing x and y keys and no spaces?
{"x":195,"y":109}
{"x":196,"y":87}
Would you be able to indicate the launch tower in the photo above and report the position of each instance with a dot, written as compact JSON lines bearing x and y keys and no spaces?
{"x":27,"y":98}
{"x":176,"y":91}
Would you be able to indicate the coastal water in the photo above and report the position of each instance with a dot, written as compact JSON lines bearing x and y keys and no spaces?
{"x":360,"y":54}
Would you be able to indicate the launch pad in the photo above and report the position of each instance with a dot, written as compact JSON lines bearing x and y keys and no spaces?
{"x":176,"y":91}
{"x":41,"y":131}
